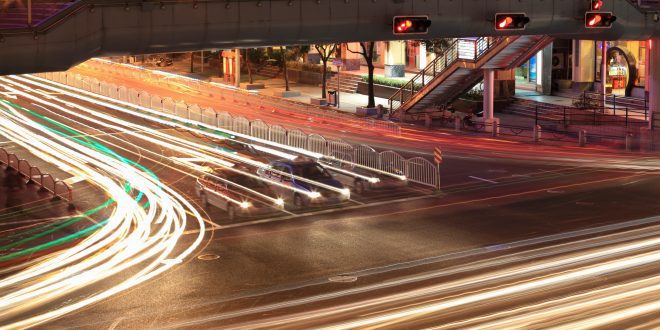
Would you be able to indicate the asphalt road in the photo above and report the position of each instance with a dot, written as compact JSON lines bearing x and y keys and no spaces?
{"x":485,"y":207}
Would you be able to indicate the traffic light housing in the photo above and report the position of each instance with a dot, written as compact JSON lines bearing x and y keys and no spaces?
{"x":596,"y":5}
{"x":598,"y":20}
{"x":410,"y":24}
{"x":510,"y":21}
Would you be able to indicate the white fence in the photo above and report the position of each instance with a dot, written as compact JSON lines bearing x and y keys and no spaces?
{"x":32,"y":173}
{"x":418,"y":170}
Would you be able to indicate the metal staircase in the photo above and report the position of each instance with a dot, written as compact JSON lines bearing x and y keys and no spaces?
{"x":460,"y":68}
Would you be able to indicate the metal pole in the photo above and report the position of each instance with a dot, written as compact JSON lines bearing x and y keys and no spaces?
{"x":437,"y":187}
{"x":603,"y":73}
{"x":29,"y":9}
{"x":337,"y":93}
{"x":536,"y":115}
{"x":614,"y":104}
{"x":201,"y":61}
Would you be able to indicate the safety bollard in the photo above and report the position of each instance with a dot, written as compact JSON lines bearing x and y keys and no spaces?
{"x":457,"y":124}
{"x":537,"y":133}
{"x":629,"y":140}
{"x":582,"y":139}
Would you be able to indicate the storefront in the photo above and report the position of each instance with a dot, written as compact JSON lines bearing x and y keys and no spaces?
{"x":625,"y":67}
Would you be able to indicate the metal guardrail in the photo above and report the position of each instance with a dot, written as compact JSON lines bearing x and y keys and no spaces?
{"x":460,"y":49}
{"x":59,"y":189}
{"x":418,"y":170}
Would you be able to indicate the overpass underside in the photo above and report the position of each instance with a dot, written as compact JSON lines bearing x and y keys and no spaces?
{"x":90,"y":28}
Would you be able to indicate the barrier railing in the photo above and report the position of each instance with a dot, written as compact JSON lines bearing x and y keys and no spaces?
{"x":414,"y":169}
{"x":33,"y":174}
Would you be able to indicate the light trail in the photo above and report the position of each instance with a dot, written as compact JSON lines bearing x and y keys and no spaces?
{"x":169,"y":141}
{"x":132,"y":239}
{"x":490,"y":286}
{"x":175,"y":122}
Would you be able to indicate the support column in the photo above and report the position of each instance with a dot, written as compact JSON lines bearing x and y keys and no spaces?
{"x":650,"y":136}
{"x":489,"y":93}
{"x":237,"y":69}
{"x":489,"y":102}
{"x":546,"y":70}
{"x":603,"y":73}
{"x":653,"y":81}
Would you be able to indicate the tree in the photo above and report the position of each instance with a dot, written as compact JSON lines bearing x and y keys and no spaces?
{"x":286,"y":74}
{"x":247,"y":64}
{"x":367,"y":52}
{"x":325,"y":50}
{"x":438,"y":46}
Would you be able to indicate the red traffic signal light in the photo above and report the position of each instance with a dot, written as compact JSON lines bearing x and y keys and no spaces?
{"x":598,"y":20}
{"x":411,"y":24}
{"x":511,"y":21}
{"x":596,"y":4}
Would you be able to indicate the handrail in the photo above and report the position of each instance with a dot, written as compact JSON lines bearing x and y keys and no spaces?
{"x":461,"y":49}
{"x":77,"y":5}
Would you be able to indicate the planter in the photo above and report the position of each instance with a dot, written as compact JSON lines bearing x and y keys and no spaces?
{"x":286,"y":94}
{"x":306,"y":77}
{"x":318,"y":101}
{"x":363,"y":111}
{"x":254,"y":86}
{"x":381,"y":91}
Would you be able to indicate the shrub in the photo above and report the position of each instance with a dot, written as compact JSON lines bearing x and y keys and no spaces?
{"x":474,"y":94}
{"x":391,"y":82}
{"x":318,"y":68}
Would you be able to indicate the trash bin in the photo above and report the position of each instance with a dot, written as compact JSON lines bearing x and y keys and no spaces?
{"x":332,"y":98}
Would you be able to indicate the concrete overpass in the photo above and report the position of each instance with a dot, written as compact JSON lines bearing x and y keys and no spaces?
{"x":90,"y":28}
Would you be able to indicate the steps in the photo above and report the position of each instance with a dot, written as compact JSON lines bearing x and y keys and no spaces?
{"x":568,"y":93}
{"x":348,"y":83}
{"x":528,"y":108}
{"x":618,"y":102}
{"x":271,"y":71}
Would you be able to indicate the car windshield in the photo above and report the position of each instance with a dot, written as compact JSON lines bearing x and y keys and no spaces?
{"x":246,"y":181}
{"x":311,"y":171}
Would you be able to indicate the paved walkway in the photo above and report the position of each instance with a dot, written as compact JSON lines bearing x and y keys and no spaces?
{"x":538,"y":97}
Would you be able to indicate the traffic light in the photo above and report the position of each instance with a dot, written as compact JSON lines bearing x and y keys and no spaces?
{"x":510,"y":21}
{"x":596,"y":4}
{"x":411,"y":24}
{"x":598,"y":20}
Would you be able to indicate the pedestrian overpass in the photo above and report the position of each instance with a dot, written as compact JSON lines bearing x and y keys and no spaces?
{"x":52,"y":35}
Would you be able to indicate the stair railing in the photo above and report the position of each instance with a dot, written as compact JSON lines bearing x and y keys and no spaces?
{"x":460,"y":49}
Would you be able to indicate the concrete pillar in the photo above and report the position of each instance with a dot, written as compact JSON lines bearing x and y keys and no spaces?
{"x":395,"y":59}
{"x":237,"y":69}
{"x":653,"y":80}
{"x":546,"y":72}
{"x":603,"y":72}
{"x":492,"y":123}
{"x":489,"y":94}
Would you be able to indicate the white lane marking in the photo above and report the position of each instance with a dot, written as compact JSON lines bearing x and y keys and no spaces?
{"x":552,"y":191}
{"x":521,"y":176}
{"x":631,"y":182}
{"x":482,"y":179}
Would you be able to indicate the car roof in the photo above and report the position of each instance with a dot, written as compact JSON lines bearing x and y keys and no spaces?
{"x":297,"y":161}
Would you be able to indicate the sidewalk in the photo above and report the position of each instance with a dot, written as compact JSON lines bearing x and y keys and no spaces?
{"x":538,"y":97}
{"x":347,"y":101}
